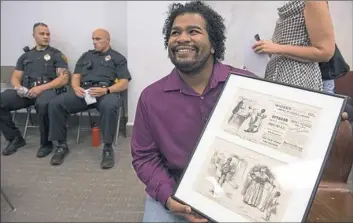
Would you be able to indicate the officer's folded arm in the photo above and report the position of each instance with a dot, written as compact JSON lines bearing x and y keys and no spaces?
{"x":121,"y":85}
{"x":61,"y":80}
{"x":16,"y":78}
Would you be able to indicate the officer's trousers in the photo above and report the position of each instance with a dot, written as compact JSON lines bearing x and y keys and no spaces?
{"x":68,"y":103}
{"x":10,"y":101}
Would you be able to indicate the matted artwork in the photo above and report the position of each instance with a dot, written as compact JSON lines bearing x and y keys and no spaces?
{"x":261,"y":154}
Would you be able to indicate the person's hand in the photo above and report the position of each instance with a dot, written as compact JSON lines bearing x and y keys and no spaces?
{"x":183,"y":210}
{"x":79,"y":92}
{"x":344,"y":116}
{"x":34,"y":92}
{"x":97,"y":91}
{"x":21,"y":91}
{"x":266,"y":46}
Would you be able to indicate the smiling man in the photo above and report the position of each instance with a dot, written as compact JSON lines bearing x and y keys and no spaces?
{"x":172,"y":112}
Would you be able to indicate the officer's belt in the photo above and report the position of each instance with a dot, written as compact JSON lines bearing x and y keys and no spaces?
{"x":30,"y":82}
{"x":89,"y":84}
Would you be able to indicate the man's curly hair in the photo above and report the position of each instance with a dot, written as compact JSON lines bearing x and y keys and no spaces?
{"x":214,"y":24}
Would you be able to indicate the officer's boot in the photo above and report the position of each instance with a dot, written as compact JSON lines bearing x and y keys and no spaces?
{"x":45,"y":150}
{"x":13,"y":145}
{"x":108,"y":159}
{"x":59,"y":154}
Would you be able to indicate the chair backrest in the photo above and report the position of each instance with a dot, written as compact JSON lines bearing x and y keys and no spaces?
{"x":341,"y":158}
{"x":344,"y":86}
{"x":6,"y":73}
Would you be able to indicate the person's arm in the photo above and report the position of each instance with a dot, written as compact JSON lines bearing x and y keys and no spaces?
{"x":17,"y":74}
{"x":123,"y":76}
{"x":321,"y":34}
{"x":147,"y":159}
{"x":76,"y":77}
{"x":62,"y":73}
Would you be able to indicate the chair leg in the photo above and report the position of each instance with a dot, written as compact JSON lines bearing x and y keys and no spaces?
{"x":8,"y":200}
{"x":117,"y":128}
{"x":14,"y":116}
{"x":26,"y":125}
{"x":79,"y":128}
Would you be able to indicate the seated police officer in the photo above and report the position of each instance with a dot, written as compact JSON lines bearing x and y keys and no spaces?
{"x":39,"y":74}
{"x":95,"y":74}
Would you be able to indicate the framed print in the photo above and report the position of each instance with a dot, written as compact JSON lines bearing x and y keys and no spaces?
{"x":262,"y":152}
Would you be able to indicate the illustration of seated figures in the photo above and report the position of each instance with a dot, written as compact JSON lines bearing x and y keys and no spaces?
{"x":253,"y":190}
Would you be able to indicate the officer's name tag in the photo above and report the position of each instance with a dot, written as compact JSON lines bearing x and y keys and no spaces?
{"x":88,"y":98}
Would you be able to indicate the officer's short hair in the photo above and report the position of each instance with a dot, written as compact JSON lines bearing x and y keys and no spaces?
{"x":39,"y":24}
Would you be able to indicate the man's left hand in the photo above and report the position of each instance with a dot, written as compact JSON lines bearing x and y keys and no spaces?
{"x":97,"y":91}
{"x":344,"y":116}
{"x":34,"y":92}
{"x":266,"y":46}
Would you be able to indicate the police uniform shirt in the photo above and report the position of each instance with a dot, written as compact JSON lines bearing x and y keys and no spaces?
{"x":41,"y":63}
{"x":102,"y":66}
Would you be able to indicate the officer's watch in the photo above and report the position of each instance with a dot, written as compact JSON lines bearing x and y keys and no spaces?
{"x":108,"y":91}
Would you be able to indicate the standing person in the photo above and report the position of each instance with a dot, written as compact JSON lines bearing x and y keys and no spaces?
{"x":96,"y":71}
{"x":303,"y":37}
{"x":172,"y":112}
{"x":40,"y":71}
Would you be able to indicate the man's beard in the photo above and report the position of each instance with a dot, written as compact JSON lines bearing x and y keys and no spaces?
{"x":190,"y":68}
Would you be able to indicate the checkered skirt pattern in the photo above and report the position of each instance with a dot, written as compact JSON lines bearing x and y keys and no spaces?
{"x":291,"y":30}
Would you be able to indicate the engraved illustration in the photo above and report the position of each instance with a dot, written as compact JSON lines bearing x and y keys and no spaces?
{"x":243,"y":181}
{"x":270,"y":121}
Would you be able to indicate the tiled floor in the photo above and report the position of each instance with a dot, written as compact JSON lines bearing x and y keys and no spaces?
{"x":76,"y":191}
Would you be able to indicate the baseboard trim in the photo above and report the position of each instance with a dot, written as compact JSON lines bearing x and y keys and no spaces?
{"x":129,"y":126}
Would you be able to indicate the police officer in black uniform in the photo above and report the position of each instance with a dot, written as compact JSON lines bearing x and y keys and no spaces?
{"x":96,"y":71}
{"x":39,"y":75}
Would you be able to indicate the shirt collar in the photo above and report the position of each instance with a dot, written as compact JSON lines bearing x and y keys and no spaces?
{"x":219,"y":74}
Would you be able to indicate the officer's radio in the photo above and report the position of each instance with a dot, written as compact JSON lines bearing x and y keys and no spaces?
{"x":89,"y":64}
{"x":26,"y":49}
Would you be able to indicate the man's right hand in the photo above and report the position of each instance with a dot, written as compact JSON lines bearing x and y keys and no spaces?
{"x":183,"y":210}
{"x":79,"y":91}
{"x":21,"y":91}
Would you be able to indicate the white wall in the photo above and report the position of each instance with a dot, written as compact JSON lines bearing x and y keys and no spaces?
{"x":70,"y":22}
{"x":137,"y":32}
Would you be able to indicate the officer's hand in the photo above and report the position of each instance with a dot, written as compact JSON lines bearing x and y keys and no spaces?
{"x":97,"y":91}
{"x":34,"y":92}
{"x":79,"y":91}
{"x":183,"y":210}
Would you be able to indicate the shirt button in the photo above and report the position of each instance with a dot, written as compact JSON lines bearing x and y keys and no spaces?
{"x":201,"y":98}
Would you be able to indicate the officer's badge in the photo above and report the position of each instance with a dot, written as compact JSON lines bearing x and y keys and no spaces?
{"x":107,"y":58}
{"x":46,"y":57}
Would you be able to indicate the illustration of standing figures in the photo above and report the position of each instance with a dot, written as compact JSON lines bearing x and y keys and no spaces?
{"x":225,"y":170}
{"x":254,"y":186}
{"x":271,"y":206}
{"x":255,"y":121}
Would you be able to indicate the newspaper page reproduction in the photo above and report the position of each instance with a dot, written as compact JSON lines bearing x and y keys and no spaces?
{"x":271,"y":121}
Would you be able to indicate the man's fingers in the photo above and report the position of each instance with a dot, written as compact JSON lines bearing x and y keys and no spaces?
{"x":344,"y":116}
{"x":180,"y":208}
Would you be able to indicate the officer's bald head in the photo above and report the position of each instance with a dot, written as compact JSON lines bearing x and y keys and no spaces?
{"x":101,"y":40}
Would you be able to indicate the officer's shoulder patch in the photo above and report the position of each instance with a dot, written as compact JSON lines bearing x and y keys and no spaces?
{"x":64,"y":57}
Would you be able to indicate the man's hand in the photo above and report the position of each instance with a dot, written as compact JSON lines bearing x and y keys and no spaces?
{"x":183,"y":210}
{"x":344,"y":116}
{"x":97,"y":91}
{"x":266,"y":46}
{"x":34,"y":92}
{"x":21,"y":91}
{"x":79,"y":92}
